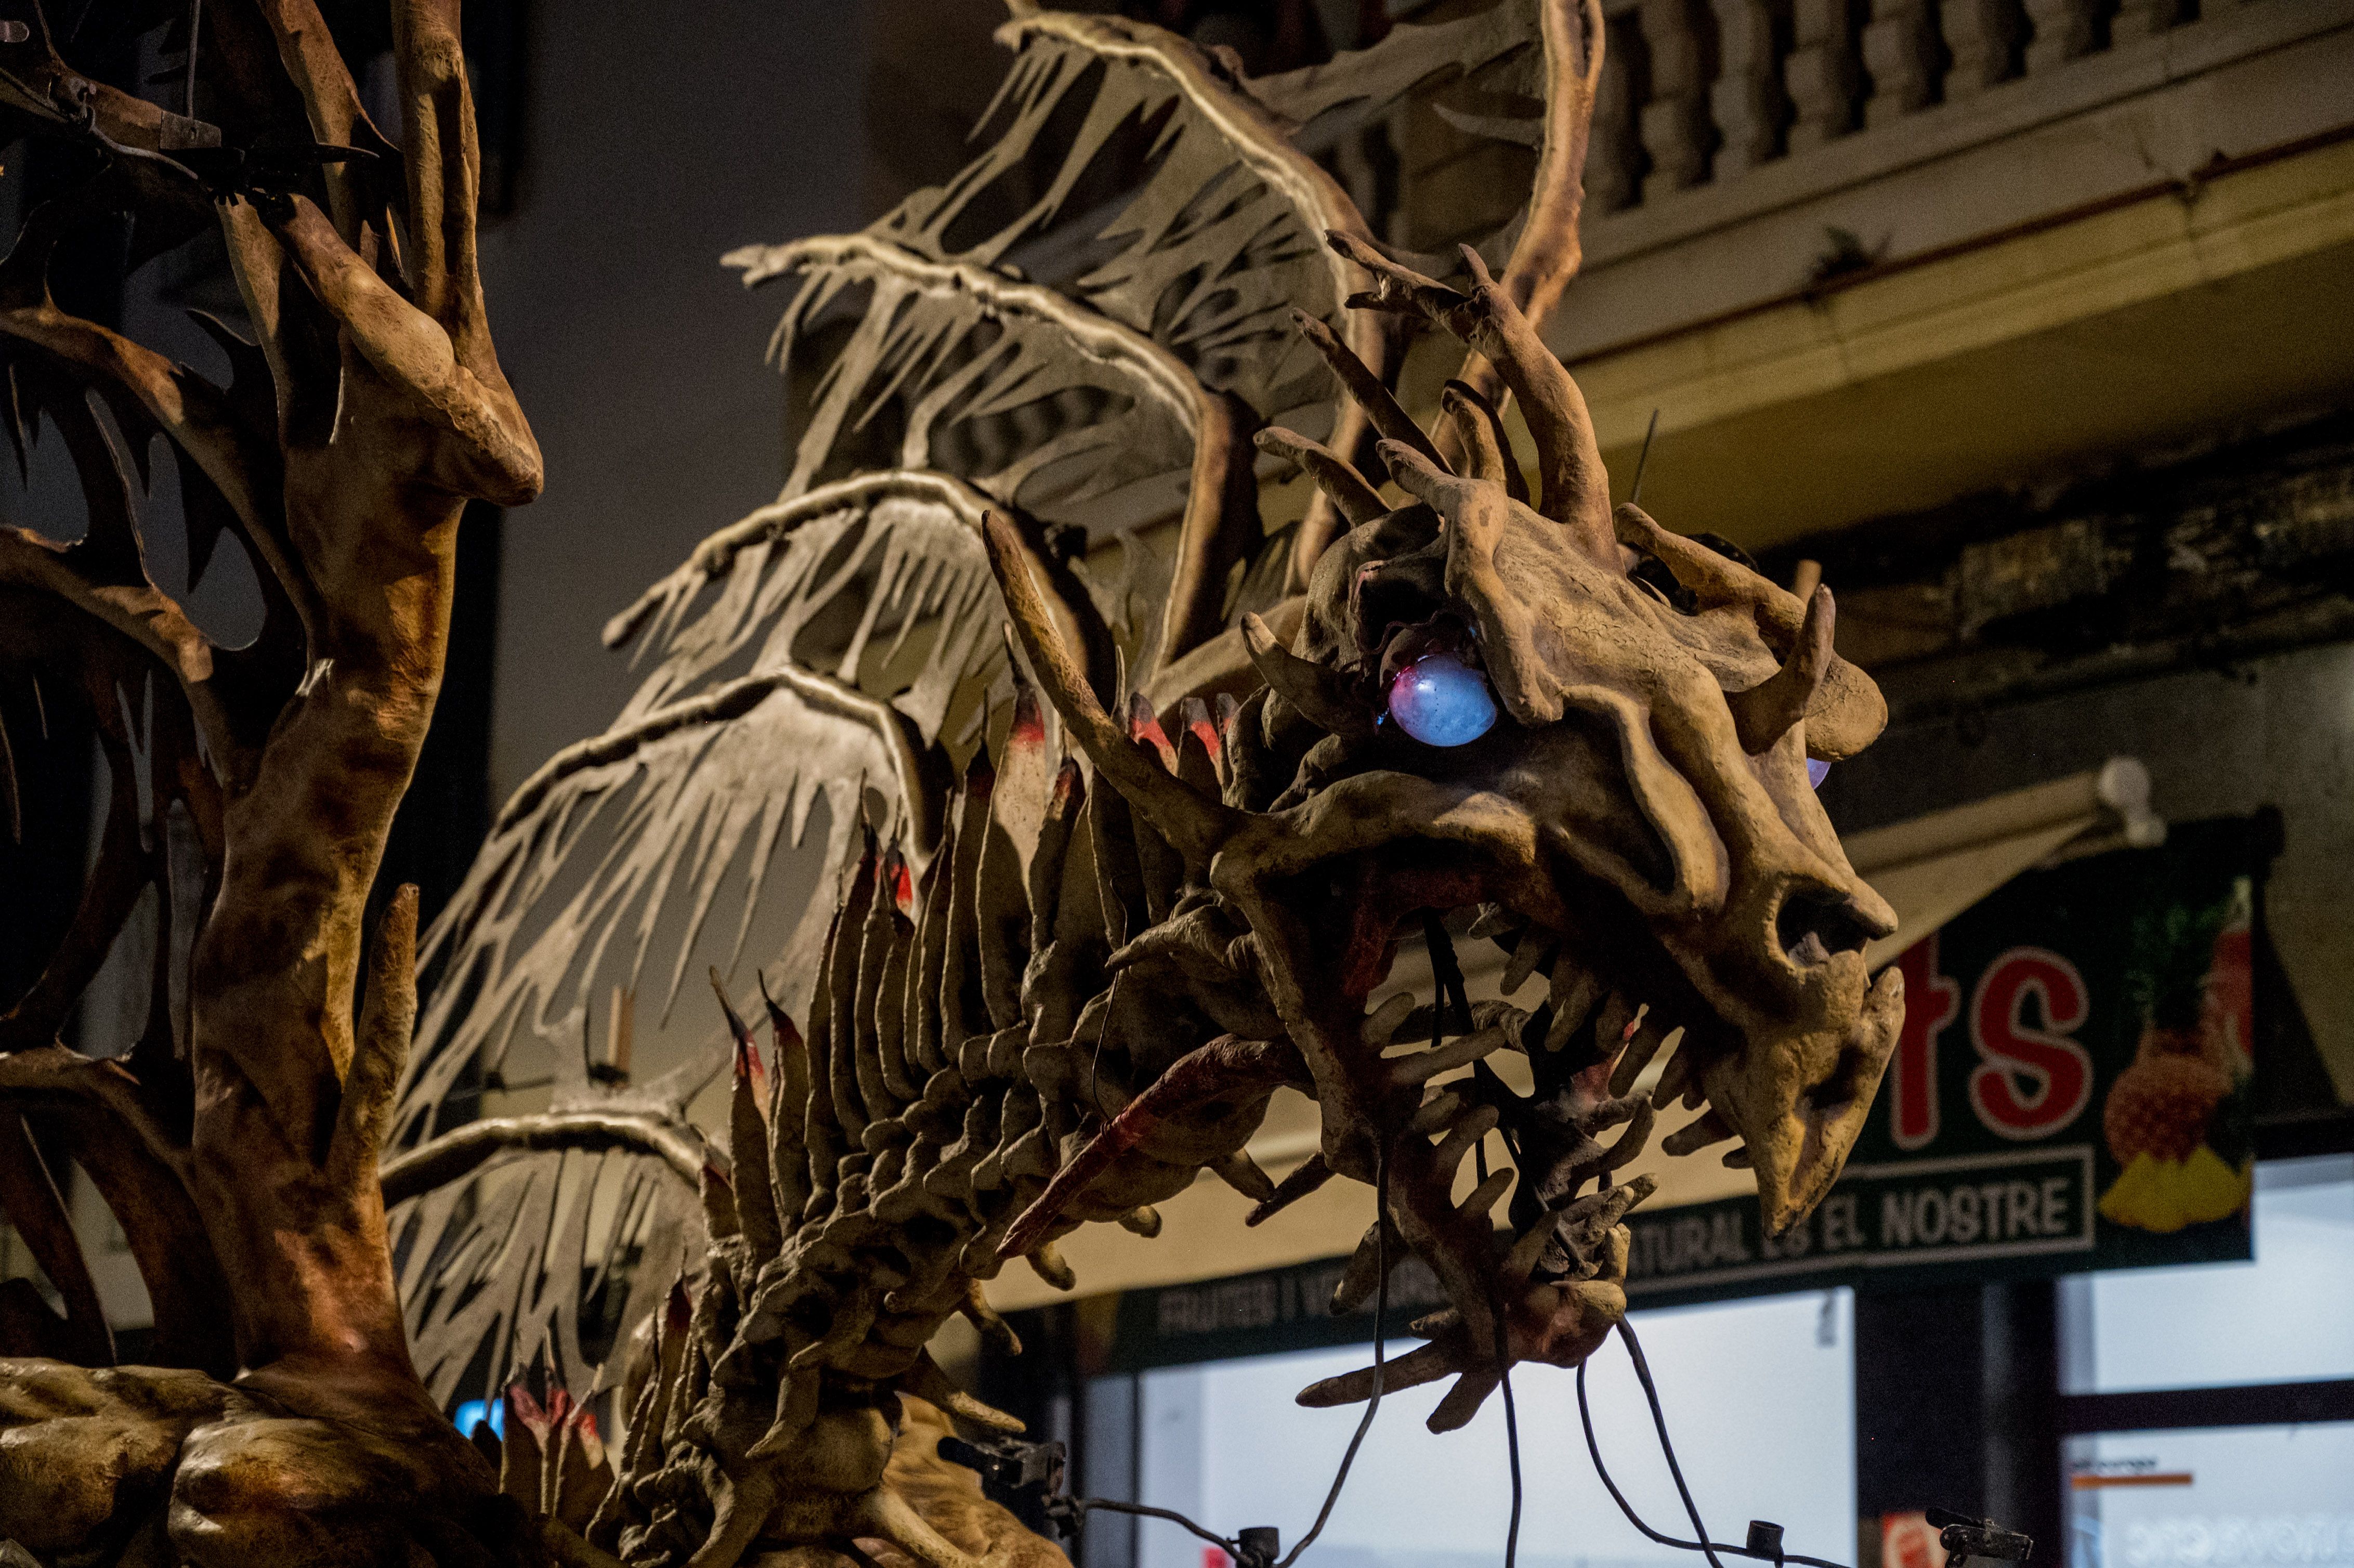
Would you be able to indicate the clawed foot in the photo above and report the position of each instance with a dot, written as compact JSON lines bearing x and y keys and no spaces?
{"x":1557,"y":1321}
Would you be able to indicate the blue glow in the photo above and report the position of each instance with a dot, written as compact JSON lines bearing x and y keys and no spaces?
{"x":1817,"y":771}
{"x":1441,"y":701}
{"x":474,"y":1412}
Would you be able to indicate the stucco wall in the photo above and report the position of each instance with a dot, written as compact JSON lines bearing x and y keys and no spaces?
{"x":654,"y":140}
{"x":2274,"y":732}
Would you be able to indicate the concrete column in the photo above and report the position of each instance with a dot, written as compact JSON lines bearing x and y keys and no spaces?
{"x":1822,"y":73}
{"x":1746,"y":100}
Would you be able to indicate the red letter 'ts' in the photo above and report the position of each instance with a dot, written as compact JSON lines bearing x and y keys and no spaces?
{"x":1931,"y":999}
{"x":2034,"y":1081}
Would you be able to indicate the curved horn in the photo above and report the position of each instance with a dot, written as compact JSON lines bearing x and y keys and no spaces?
{"x":1352,"y":495}
{"x":1766,"y":711}
{"x":1572,"y":488}
{"x":1321,"y":696}
{"x":1365,"y":388}
{"x":1480,"y":432}
{"x":1847,"y":713}
{"x":1714,"y":579}
{"x":1196,"y":825}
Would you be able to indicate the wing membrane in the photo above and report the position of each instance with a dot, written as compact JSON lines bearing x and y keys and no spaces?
{"x":607,"y":869}
{"x":1100,"y":298}
{"x":918,"y":363}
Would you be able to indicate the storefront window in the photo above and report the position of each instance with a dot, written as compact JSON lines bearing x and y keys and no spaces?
{"x":1759,"y":1396}
{"x":2246,"y":1496}
{"x":2281,"y":1318}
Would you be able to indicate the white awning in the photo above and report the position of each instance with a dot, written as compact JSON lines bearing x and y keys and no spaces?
{"x":1930,"y":868}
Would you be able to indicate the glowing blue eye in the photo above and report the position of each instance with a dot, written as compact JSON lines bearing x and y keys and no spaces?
{"x":1817,"y":772}
{"x":474,"y":1412}
{"x":1441,"y":701}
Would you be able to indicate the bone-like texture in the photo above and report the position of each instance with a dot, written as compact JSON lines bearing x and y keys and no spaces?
{"x":818,"y":665}
{"x":959,"y":1051}
{"x":1132,"y":962}
{"x":1059,"y":982}
{"x":1090,"y":990}
{"x":1651,"y":777}
{"x":1168,"y":287}
{"x":251,"y":792}
{"x":1641,"y":815}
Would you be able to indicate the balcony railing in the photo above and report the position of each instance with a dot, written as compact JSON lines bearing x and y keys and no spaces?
{"x":1704,"y":93}
{"x":1772,"y":143}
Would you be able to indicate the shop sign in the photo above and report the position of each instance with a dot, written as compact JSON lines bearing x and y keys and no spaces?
{"x":1287,"y":1309}
{"x":2070,"y":1092}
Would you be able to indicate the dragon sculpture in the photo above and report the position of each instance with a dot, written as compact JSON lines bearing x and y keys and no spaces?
{"x":1057,"y":895}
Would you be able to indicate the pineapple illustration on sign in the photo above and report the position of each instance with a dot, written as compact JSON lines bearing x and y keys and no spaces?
{"x":2177,"y":1120}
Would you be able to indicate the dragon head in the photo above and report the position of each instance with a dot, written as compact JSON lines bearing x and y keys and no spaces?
{"x":1639,"y":810}
{"x":1602,"y":736}
{"x":1642,"y":804}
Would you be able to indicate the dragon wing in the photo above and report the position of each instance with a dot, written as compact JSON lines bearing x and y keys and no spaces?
{"x":1098,"y":303}
{"x":789,"y":710}
{"x":1139,"y":205}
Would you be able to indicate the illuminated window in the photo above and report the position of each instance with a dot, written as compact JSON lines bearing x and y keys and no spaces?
{"x":1225,"y":1444}
{"x":2209,"y":1404}
{"x":2283,"y":1318}
{"x":2248,"y":1497}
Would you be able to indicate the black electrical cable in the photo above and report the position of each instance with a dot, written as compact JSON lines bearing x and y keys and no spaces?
{"x":1644,"y":462}
{"x":1381,"y":1326}
{"x":1450,"y":994}
{"x":1233,"y":1549}
{"x":1146,"y":1510}
{"x":1594,"y":1448}
{"x":1449,"y":975}
{"x":1660,"y":1420}
{"x":1511,"y":1443}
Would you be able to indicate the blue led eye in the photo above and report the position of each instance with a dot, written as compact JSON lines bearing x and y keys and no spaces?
{"x":1817,"y":771}
{"x":474,"y":1412}
{"x":1441,"y":701}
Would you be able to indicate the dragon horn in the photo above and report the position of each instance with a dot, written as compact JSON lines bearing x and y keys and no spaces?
{"x":1195,"y":824}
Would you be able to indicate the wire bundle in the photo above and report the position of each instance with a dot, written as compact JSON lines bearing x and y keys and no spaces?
{"x":1249,"y":1558}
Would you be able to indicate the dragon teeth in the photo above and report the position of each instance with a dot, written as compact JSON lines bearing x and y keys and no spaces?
{"x":1574,"y":993}
{"x":1644,"y":1036}
{"x":1709,"y":1128}
{"x":1536,"y":951}
{"x":1610,"y":1029}
{"x":1380,"y":1025}
{"x":1494,"y":920}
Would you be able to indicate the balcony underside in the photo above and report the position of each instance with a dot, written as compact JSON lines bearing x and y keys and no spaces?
{"x":2013,"y":360}
{"x":2038,"y":276}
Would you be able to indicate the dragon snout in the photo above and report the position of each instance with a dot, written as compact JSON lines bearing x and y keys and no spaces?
{"x":1814,"y":921}
{"x":1797,"y":1101}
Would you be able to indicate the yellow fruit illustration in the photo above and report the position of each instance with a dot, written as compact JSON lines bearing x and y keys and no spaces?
{"x":2163,"y":1103}
{"x":2192,"y":984}
{"x":2164,"y":1195}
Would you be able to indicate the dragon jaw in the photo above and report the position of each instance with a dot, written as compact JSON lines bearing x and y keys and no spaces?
{"x":1618,"y":814}
{"x":1641,"y":818}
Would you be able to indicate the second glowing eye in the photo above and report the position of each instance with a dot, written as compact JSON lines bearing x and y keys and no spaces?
{"x":1441,"y":701}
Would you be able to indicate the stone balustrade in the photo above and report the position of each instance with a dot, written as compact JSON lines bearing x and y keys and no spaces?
{"x":1704,"y":93}
{"x":1745,"y":151}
